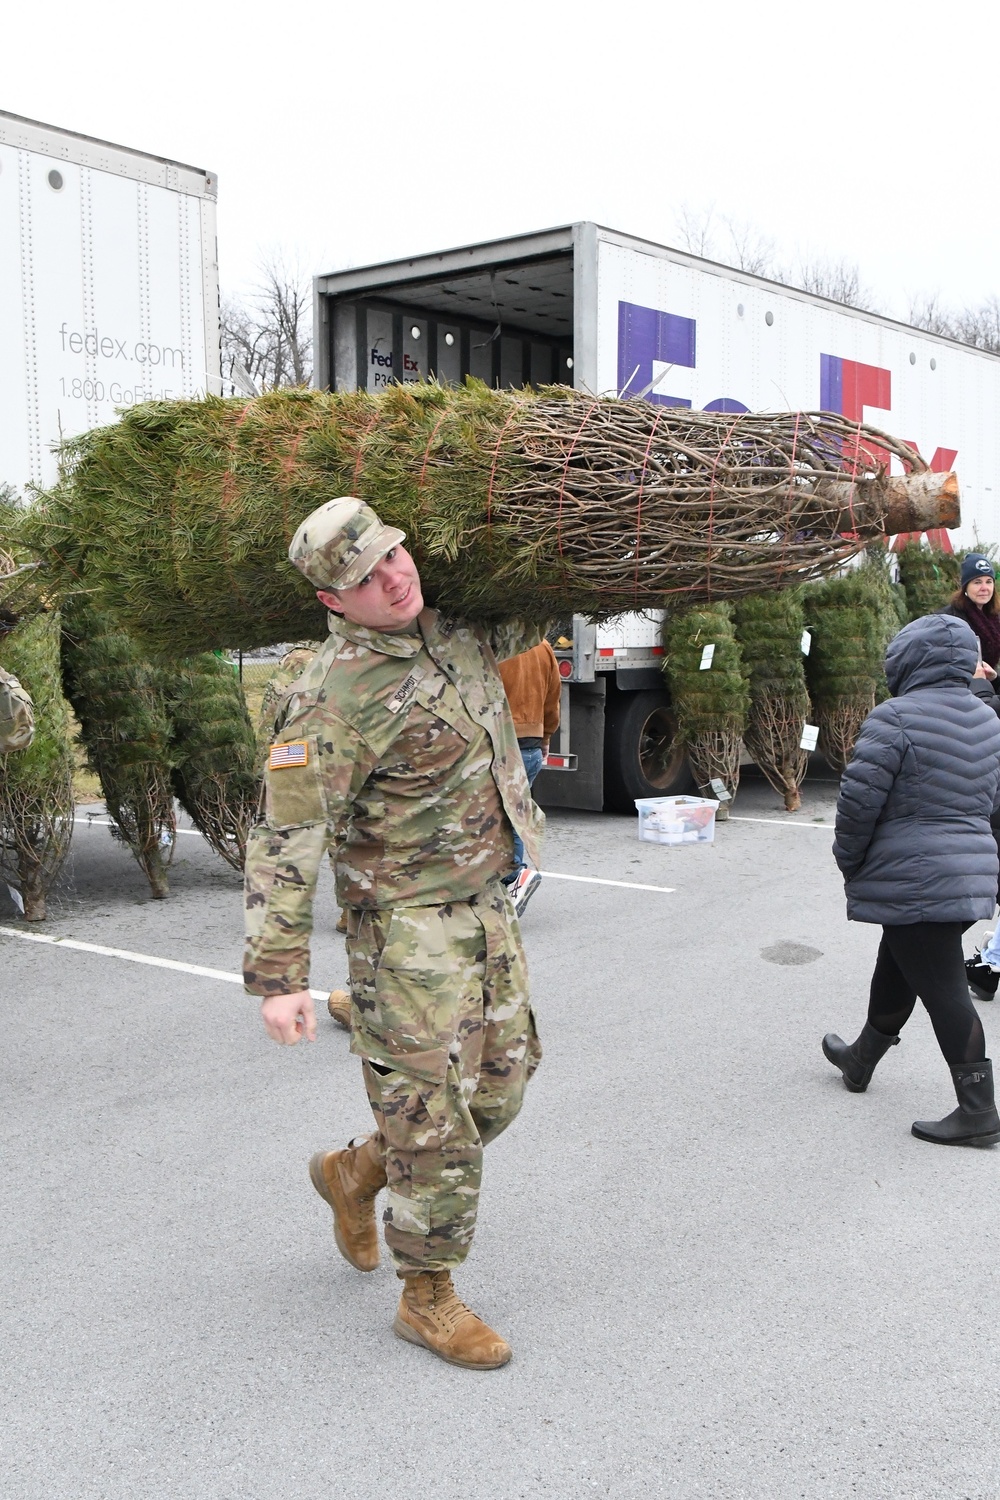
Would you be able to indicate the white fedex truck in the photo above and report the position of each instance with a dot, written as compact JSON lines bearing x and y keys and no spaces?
{"x":609,"y":313}
{"x":108,"y":290}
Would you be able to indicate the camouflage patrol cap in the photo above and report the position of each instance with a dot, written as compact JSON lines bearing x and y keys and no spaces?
{"x":341,"y":542}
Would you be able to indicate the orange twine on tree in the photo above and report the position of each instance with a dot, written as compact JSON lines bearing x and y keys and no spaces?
{"x":65,"y":564}
{"x":791,"y":492}
{"x":361,"y":446}
{"x":228,"y":490}
{"x":638,"y":513}
{"x":493,"y":471}
{"x":853,"y":533}
{"x":427,"y":450}
{"x":562,"y":488}
{"x":287,"y":468}
{"x":711,"y":510}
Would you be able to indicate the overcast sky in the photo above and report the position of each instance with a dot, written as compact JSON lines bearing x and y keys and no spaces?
{"x":344,"y":134}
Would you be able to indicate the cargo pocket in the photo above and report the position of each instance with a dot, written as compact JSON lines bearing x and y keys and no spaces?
{"x":412,"y":1110}
{"x":417,"y":1115}
{"x":413,"y":1022}
{"x":407,"y":1215}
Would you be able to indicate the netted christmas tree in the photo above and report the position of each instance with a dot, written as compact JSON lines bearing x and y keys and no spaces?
{"x":769,"y":628}
{"x":889,"y":597}
{"x":515,"y":504}
{"x":710,"y":703}
{"x":852,"y":622}
{"x":213,"y":753}
{"x":118,"y":698}
{"x":36,"y":784}
{"x":929,"y":577}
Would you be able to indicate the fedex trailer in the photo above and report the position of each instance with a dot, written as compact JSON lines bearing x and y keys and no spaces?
{"x":609,"y":313}
{"x":109,"y":292}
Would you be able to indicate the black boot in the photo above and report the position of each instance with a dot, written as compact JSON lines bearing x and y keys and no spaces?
{"x":858,"y":1061}
{"x":975,"y":1122}
{"x":981,"y":979}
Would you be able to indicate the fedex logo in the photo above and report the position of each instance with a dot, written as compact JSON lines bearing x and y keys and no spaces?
{"x":654,"y":350}
{"x":380,"y":375}
{"x":386,"y":359}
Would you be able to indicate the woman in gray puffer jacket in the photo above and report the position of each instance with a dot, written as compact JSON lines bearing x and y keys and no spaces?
{"x":916,"y":850}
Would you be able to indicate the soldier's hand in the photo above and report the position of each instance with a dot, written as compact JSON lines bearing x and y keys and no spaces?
{"x":288,"y":1017}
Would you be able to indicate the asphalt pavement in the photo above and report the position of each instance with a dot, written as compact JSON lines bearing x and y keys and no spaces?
{"x":722,"y":1275}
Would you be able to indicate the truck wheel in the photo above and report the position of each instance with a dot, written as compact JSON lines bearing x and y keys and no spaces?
{"x":643,"y":754}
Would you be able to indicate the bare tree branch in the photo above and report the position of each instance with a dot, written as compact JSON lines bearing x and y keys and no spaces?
{"x":839,"y":280}
{"x":739,"y":243}
{"x":926,"y":312}
{"x":270,"y":332}
{"x":695,"y":230}
{"x":980,"y":326}
{"x":750,"y":250}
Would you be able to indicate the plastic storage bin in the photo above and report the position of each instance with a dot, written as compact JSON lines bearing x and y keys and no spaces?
{"x":676,"y":820}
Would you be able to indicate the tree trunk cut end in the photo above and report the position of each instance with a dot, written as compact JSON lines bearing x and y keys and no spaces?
{"x":923,"y":502}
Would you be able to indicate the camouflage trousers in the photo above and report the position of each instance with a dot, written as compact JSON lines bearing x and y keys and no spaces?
{"x":441,"y":1019}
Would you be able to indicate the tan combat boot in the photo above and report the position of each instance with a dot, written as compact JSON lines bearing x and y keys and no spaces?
{"x":430,"y":1314}
{"x":349,"y":1180}
{"x":339,"y":1006}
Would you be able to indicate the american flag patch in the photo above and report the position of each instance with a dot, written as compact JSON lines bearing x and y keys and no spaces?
{"x":294,"y":753}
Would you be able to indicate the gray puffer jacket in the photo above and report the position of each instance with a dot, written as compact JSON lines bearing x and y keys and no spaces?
{"x":913,"y":819}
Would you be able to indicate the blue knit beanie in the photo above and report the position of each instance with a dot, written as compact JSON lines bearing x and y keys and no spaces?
{"x":976,"y":566}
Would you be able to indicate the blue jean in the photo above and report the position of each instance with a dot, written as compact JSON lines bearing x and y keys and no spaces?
{"x":532,"y":765}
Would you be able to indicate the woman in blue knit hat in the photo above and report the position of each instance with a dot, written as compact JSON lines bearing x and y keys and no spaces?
{"x":975,"y":602}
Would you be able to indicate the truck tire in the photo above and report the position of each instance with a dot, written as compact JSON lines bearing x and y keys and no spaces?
{"x":643,"y":756}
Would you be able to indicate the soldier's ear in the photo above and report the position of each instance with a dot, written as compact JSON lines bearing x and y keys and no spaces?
{"x":330,"y":599}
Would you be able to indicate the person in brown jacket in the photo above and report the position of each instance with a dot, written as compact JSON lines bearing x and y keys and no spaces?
{"x":532,"y":684}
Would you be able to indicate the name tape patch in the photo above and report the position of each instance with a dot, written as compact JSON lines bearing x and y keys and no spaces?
{"x":294,"y":753}
{"x":405,"y":691}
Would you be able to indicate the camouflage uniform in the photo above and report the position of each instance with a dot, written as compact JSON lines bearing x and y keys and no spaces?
{"x":399,"y":750}
{"x":17,"y":721}
{"x":288,"y":671}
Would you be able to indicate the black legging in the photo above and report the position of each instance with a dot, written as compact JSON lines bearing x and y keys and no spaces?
{"x":925,"y":959}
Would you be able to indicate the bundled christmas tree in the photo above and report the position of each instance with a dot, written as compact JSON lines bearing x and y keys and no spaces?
{"x":118,"y":698}
{"x":36,"y":784}
{"x":769,"y":628}
{"x":704,"y":668}
{"x":929,"y":577}
{"x":888,"y":601}
{"x":851,"y":624}
{"x":515,"y":504}
{"x":213,"y":753}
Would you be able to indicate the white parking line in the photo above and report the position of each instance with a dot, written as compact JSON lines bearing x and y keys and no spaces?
{"x":109,"y":823}
{"x":134,"y":958}
{"x":626,"y":885}
{"x":779,"y":822}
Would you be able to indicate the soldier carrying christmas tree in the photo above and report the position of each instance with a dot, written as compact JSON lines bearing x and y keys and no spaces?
{"x":397,"y":747}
